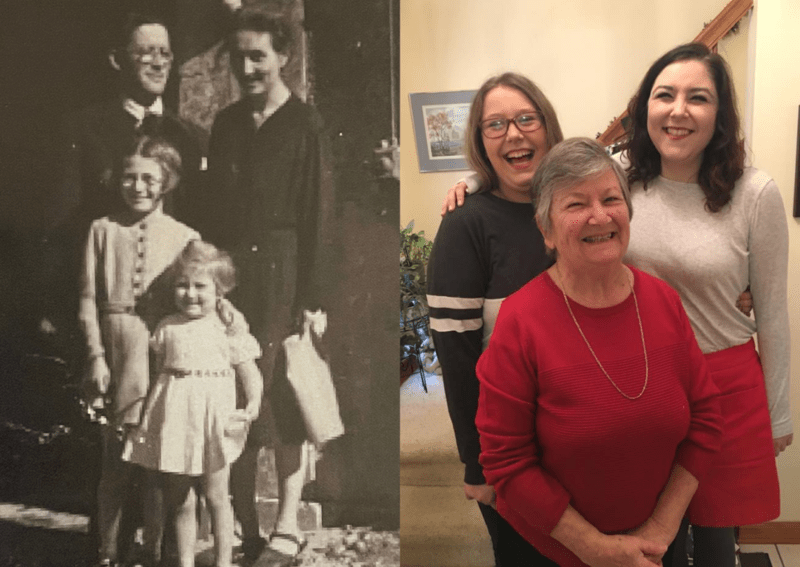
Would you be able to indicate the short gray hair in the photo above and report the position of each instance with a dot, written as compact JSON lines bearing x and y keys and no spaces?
{"x":566,"y":165}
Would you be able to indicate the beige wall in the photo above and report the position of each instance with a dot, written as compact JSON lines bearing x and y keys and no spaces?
{"x":589,"y":57}
{"x":774,"y":141}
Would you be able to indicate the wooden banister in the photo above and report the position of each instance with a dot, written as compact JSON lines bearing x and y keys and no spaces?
{"x":710,"y":36}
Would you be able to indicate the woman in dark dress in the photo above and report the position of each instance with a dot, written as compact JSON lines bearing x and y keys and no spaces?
{"x":270,"y":188}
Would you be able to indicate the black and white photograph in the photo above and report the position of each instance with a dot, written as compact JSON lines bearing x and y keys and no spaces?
{"x":198,"y":343}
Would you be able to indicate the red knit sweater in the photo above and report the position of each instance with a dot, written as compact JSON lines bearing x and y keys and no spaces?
{"x":554,"y":431}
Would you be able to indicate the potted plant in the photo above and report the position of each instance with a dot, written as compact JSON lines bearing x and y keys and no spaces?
{"x":415,"y":343}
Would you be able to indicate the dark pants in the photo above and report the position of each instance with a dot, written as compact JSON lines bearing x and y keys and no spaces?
{"x":510,"y":548}
{"x":713,"y":547}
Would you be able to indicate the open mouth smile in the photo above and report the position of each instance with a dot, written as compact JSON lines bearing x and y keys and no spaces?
{"x":599,"y":238}
{"x":519,"y":157}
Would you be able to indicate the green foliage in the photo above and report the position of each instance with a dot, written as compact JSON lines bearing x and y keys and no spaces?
{"x":414,"y":331}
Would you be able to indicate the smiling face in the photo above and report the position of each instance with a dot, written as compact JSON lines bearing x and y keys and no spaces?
{"x":146,"y":63}
{"x":516,"y":155}
{"x":196,"y":293}
{"x":256,"y":64}
{"x":589,"y":222}
{"x":142,"y":184}
{"x":681,"y":117}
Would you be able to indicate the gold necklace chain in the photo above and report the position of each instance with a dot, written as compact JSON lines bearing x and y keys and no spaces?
{"x":641,"y":332}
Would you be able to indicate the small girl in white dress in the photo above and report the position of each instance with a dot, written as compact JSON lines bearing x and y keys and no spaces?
{"x":190,"y":428}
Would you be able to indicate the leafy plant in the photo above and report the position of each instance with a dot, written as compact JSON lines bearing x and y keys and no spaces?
{"x":415,"y":342}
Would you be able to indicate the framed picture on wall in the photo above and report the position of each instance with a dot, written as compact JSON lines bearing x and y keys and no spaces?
{"x":796,"y":207}
{"x":440,"y":121}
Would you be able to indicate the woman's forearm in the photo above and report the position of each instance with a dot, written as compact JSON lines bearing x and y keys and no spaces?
{"x":768,"y":269}
{"x":596,"y":549}
{"x":575,"y":533}
{"x":674,"y":499}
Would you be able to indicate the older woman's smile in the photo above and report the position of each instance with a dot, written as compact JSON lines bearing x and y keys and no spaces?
{"x":589,"y":222}
{"x":599,"y":238}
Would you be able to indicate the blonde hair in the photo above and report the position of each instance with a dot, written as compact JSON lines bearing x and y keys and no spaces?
{"x":204,"y":256}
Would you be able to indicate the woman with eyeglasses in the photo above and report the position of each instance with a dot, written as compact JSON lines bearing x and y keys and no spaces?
{"x":269,"y":201}
{"x":483,"y":252}
{"x":709,"y":226}
{"x":125,"y":256}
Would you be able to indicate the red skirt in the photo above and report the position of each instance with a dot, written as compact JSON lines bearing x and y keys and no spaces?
{"x":742,"y":487}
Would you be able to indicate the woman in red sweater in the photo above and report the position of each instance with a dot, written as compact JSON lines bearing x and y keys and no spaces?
{"x":597,"y":417}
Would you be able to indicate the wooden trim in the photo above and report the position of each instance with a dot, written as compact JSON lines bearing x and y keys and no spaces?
{"x":710,"y":36}
{"x":770,"y":533}
{"x":724,"y":22}
{"x":615,"y":131}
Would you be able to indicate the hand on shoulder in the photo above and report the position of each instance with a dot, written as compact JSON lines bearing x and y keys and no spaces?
{"x":232,"y":318}
{"x":455,"y":197}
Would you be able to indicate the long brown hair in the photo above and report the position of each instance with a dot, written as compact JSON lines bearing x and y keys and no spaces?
{"x":723,"y":158}
{"x":474,"y":148}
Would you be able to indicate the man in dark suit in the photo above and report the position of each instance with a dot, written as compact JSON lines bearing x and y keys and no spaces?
{"x":97,"y":135}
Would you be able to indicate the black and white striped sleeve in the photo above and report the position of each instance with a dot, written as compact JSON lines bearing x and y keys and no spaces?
{"x":457,"y":281}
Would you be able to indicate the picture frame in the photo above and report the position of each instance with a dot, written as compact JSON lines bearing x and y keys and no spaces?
{"x":440,"y":121}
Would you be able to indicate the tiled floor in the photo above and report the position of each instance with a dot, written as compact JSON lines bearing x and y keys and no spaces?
{"x":779,"y":555}
{"x":438,"y":526}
